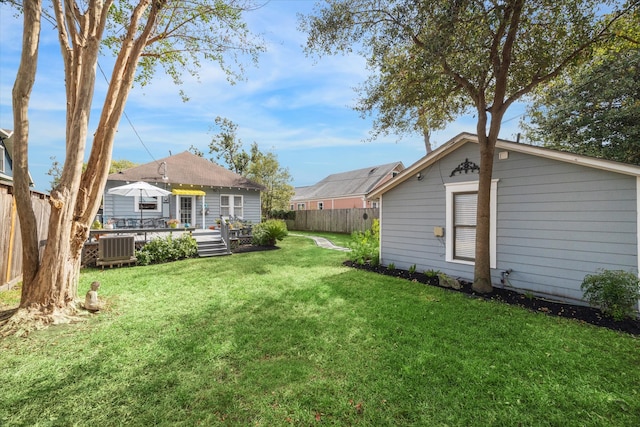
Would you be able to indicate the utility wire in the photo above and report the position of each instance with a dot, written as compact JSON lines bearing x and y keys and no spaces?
{"x":124,"y":113}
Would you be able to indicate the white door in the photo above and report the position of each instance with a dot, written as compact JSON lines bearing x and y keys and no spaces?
{"x":186,"y":210}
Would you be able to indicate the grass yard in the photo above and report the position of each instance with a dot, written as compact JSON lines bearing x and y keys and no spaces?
{"x":338,"y":239}
{"x":291,"y":337}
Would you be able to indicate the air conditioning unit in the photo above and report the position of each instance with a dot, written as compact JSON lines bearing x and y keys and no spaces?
{"x":116,"y":250}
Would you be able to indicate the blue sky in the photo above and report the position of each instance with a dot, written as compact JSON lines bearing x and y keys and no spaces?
{"x":300,"y":108}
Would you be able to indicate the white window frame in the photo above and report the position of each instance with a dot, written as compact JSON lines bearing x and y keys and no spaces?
{"x":470,"y":187}
{"x":301,"y":206}
{"x":136,"y":205}
{"x":2,"y":151}
{"x":232,"y":205}
{"x":320,"y":206}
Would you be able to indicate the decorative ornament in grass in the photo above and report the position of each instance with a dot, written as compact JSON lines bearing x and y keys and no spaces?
{"x":91,"y":302}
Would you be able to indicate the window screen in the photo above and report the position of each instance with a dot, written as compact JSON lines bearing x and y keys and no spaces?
{"x":464,"y":225}
{"x":237,"y":206}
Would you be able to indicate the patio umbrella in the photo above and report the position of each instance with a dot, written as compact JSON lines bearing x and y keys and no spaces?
{"x":140,"y":188}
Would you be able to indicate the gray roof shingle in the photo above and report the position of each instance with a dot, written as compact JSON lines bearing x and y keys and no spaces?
{"x":352,"y":183}
{"x":186,"y":168}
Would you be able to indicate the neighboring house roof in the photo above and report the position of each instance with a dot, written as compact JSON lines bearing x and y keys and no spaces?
{"x":186,"y":168}
{"x":463,"y":138}
{"x":352,"y":183}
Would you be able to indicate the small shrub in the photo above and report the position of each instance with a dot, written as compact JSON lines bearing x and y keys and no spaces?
{"x":412,"y":269}
{"x":269,"y":232}
{"x":615,"y":292}
{"x":432,"y":273}
{"x":165,"y":249}
{"x":282,"y":214}
{"x":366,"y":246}
{"x":391,"y":267}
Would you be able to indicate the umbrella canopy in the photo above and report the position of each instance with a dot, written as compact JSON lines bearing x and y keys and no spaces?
{"x":141,"y":189}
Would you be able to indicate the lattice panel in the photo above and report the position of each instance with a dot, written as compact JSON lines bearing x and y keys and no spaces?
{"x":89,"y":254}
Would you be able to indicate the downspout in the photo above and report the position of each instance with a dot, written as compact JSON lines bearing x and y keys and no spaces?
{"x":203,"y":214}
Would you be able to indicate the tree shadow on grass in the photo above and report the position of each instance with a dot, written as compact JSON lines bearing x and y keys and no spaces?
{"x":6,"y":315}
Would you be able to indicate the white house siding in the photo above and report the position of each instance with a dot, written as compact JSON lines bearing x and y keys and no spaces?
{"x":556,"y":221}
{"x":410,"y":212}
{"x":250,"y":200}
{"x":124,"y":207}
{"x":115,"y":206}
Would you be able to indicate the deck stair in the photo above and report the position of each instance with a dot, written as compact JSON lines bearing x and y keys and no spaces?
{"x":210,"y":243}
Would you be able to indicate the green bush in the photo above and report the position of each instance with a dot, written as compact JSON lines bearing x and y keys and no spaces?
{"x":165,"y":249}
{"x":281,"y":214}
{"x":366,"y":246}
{"x":267,"y":233}
{"x":615,"y":292}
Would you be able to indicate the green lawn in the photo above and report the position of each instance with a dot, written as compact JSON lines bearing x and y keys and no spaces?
{"x":291,"y":337}
{"x":338,"y":239}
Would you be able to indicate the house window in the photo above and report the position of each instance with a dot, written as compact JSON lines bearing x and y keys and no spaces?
{"x":461,"y":208}
{"x":1,"y":158}
{"x":320,"y":205}
{"x":300,"y":206}
{"x":147,"y":204}
{"x":231,"y":206}
{"x":375,"y":204}
{"x":464,"y":225}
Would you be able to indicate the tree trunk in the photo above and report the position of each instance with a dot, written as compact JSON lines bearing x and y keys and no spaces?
{"x":426,"y":135}
{"x":50,"y":283}
{"x":51,"y":286}
{"x":482,"y":269}
{"x":52,"y":292}
{"x":22,"y":88}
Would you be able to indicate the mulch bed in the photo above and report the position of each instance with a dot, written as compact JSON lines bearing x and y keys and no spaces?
{"x":580,"y":313}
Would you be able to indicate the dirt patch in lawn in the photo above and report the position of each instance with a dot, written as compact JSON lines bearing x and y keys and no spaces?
{"x":580,"y":313}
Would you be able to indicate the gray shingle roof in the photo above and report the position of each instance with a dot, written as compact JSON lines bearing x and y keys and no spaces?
{"x":352,"y":183}
{"x":186,"y":168}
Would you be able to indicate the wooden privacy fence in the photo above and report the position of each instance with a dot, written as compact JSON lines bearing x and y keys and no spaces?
{"x":10,"y":239}
{"x":334,"y":220}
